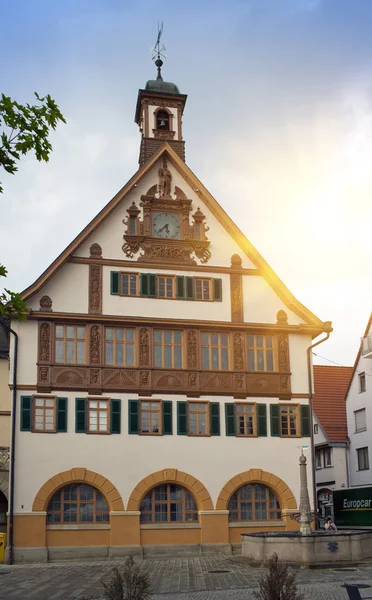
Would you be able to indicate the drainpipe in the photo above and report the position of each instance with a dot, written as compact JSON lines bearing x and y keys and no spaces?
{"x":328,"y":329}
{"x":12,"y":441}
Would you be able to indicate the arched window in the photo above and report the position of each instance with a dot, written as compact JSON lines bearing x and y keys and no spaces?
{"x":254,"y":502}
{"x":78,"y":503}
{"x":162,"y":120}
{"x":168,"y":503}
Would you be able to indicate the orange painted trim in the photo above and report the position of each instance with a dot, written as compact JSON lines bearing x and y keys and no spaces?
{"x":74,"y":475}
{"x":194,"y":486}
{"x":278,"y":486}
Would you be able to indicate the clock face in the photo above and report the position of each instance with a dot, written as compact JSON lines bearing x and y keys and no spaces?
{"x":166,"y":225}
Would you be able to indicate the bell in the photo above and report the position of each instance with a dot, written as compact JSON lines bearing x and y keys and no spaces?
{"x":162,"y":123}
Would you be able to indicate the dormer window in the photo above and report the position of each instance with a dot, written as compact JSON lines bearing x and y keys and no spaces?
{"x":162,"y":120}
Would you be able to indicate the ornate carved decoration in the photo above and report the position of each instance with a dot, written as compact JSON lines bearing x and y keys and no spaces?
{"x":95,"y":289}
{"x":4,"y":458}
{"x":144,"y":378}
{"x":170,"y":474}
{"x":192,"y":237}
{"x":180,"y":194}
{"x":95,"y":251}
{"x":238,"y":351}
{"x":236,"y":293}
{"x":163,"y":103}
{"x":168,"y":381}
{"x":144,"y":350}
{"x":46,"y":303}
{"x":121,"y":378}
{"x":284,"y":383}
{"x":216,"y":380}
{"x":192,"y":380}
{"x":239,"y":381}
{"x":192,"y":349}
{"x":70,"y":378}
{"x":45,"y":354}
{"x":132,"y":245}
{"x":283,"y":350}
{"x":281,"y":318}
{"x":236,"y":261}
{"x":163,"y":134}
{"x":95,"y":345}
{"x":95,"y":376}
{"x":44,"y":374}
{"x":165,"y":179}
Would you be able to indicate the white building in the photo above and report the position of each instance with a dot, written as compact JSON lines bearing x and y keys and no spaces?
{"x":162,"y":378}
{"x":359,"y":413}
{"x":330,"y":433}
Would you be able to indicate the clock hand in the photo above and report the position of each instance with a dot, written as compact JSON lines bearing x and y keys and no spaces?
{"x":165,"y":226}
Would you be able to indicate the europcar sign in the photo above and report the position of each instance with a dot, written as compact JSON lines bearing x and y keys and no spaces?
{"x":353,"y":508}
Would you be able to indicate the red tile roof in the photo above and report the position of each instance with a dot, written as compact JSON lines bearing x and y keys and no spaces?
{"x":330,"y":386}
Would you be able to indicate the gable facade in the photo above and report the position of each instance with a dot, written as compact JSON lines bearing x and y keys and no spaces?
{"x":162,"y":379}
{"x":359,"y":415}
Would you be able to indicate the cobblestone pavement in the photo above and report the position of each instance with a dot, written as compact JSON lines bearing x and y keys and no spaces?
{"x":214,"y":578}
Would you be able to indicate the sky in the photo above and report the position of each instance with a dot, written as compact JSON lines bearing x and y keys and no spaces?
{"x":278,"y":127}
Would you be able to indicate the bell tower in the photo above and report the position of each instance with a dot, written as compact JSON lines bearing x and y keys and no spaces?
{"x":159,"y":113}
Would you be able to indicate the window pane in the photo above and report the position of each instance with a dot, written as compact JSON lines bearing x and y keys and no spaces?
{"x":158,"y":356}
{"x":215,"y":362}
{"x":81,"y":333}
{"x":167,"y":356}
{"x":119,"y":354}
{"x":70,"y":332}
{"x":130,"y":355}
{"x":167,"y":336}
{"x":109,"y":334}
{"x":109,"y":353}
{"x":205,"y":339}
{"x":251,"y":360}
{"x":225,"y":358}
{"x":214,"y":337}
{"x":70,"y":352}
{"x":177,"y":337}
{"x":130,"y":335}
{"x":157,"y":335}
{"x":59,"y":351}
{"x":260,"y":360}
{"x":224,"y":339}
{"x":270,"y":360}
{"x":178,"y":357}
{"x":59,"y":331}
{"x":205,"y":358}
{"x":119,"y":335}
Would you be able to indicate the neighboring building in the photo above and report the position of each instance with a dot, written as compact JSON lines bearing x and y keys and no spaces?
{"x":5,"y":405}
{"x":359,"y":413}
{"x":162,"y":377}
{"x":330,"y":432}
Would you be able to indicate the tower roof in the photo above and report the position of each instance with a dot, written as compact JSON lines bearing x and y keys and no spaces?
{"x":164,"y":87}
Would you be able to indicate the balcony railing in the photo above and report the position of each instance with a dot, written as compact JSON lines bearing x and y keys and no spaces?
{"x":367,"y":346}
{"x":4,"y":458}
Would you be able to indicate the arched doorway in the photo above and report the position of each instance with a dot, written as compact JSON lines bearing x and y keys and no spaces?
{"x":3,"y":511}
{"x":325,"y":503}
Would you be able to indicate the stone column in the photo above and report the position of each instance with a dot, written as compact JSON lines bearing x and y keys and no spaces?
{"x":304,"y":499}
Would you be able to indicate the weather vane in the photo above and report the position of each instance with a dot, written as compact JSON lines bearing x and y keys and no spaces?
{"x":158,"y":51}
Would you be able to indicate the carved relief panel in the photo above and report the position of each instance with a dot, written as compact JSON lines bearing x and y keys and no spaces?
{"x":236,"y":293}
{"x":95,"y":289}
{"x":165,"y":231}
{"x":45,"y":343}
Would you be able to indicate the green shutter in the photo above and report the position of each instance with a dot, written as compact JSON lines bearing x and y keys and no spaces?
{"x":214,"y":415}
{"x":26,"y":406}
{"x":61,"y":415}
{"x":180,"y":286}
{"x":152,"y":285}
{"x":305,"y":420}
{"x":189,"y":288}
{"x":133,"y":416}
{"x":144,"y":284}
{"x":217,"y":290}
{"x":115,"y":414}
{"x":230,"y":418}
{"x":167,"y":417}
{"x":80,"y":415}
{"x":115,"y":282}
{"x":275,"y":419}
{"x":182,"y":418}
{"x":261,"y":420}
